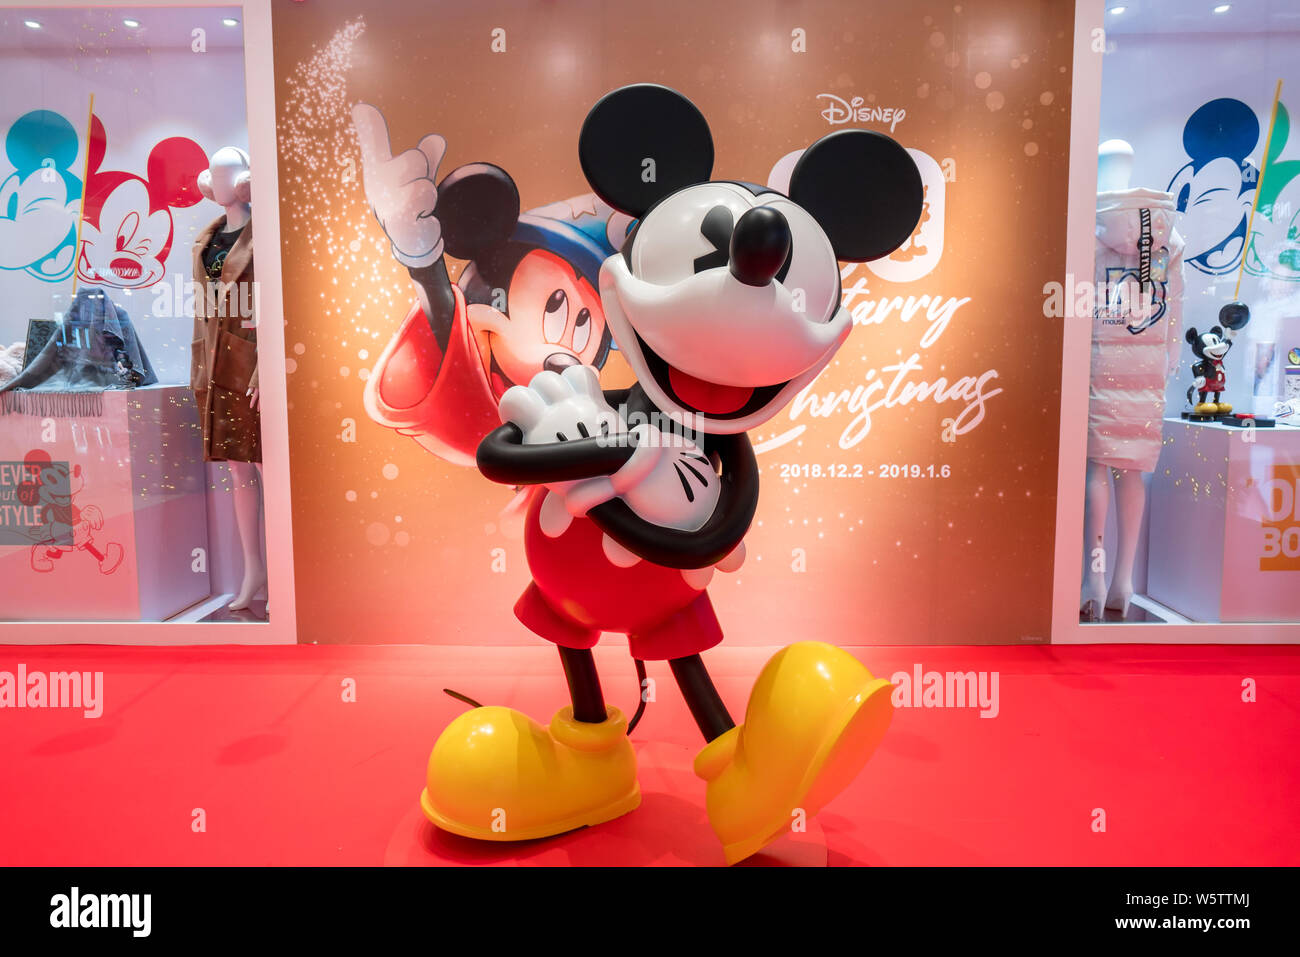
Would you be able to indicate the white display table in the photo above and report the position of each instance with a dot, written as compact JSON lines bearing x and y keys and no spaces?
{"x":141,"y":471}
{"x":1225,"y":523}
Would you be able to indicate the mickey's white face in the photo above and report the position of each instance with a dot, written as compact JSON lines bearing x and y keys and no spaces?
{"x":124,"y":249}
{"x":1213,"y":346}
{"x":720,"y":354}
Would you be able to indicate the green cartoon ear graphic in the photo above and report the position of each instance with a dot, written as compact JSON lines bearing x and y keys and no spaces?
{"x":1276,"y":174}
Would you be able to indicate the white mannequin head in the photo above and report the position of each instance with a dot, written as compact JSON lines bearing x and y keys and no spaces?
{"x":226,"y":181}
{"x":1114,"y":166}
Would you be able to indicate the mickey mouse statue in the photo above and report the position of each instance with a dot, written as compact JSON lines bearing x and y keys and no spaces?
{"x":1210,"y":348}
{"x":725,"y":301}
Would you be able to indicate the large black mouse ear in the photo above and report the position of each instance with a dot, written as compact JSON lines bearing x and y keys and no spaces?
{"x":478,"y":206}
{"x":1192,"y":335}
{"x":863,"y":189}
{"x":642,"y":142}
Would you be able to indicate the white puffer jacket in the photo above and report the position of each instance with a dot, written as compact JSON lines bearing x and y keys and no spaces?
{"x":1126,"y":402}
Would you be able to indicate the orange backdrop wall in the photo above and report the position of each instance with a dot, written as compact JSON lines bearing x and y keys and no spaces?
{"x":908,"y":497}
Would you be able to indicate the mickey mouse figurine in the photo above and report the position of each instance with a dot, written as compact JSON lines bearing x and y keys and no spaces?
{"x":1210,"y":349}
{"x":725,"y":300}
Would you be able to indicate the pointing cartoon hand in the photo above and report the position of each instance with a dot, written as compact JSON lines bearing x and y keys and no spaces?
{"x":402,"y":189}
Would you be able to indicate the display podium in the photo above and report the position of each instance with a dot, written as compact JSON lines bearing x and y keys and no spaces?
{"x":1225,"y":522}
{"x":139,"y":494}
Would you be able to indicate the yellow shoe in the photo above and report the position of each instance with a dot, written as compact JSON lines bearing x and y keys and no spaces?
{"x":497,"y":775}
{"x":1224,"y":407}
{"x":815,"y":717}
{"x":1206,"y":408}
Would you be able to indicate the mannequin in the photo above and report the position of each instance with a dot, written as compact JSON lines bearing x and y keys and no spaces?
{"x":1114,"y":166}
{"x":1135,"y":348}
{"x":223,"y":373}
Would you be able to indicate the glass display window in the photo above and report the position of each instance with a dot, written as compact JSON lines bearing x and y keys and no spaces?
{"x":1188,"y":488}
{"x":131,"y":386}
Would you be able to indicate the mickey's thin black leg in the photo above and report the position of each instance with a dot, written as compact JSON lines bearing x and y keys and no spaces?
{"x":584,"y":684}
{"x":701,"y":697}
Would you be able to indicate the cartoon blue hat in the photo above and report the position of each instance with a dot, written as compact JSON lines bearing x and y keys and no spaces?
{"x":583,"y":231}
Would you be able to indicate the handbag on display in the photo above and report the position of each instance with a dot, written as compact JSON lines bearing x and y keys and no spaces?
{"x":39,"y":332}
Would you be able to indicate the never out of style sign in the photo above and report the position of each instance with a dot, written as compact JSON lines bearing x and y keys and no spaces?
{"x":30,"y":498}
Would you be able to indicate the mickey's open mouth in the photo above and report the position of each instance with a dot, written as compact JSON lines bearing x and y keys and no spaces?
{"x":126,"y":269}
{"x":500,"y":382}
{"x":703,"y":397}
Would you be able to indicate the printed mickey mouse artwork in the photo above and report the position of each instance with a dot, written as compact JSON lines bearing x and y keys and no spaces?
{"x":1215,"y":189}
{"x":65,"y":526}
{"x":525,"y":301}
{"x":40,"y":199}
{"x":725,"y":300}
{"x":126,"y":232}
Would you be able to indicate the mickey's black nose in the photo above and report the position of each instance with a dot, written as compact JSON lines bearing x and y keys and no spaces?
{"x":759,"y":246}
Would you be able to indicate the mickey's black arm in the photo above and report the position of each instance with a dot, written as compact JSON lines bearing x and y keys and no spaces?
{"x":433,"y":286}
{"x":502,"y":457}
{"x":712,"y":542}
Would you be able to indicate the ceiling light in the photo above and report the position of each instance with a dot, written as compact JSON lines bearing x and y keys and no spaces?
{"x":1118,"y":10}
{"x":128,"y":22}
{"x":33,"y":24}
{"x":230,"y":21}
{"x":1223,"y":8}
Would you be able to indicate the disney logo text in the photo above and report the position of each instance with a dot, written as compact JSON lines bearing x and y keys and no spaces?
{"x":839,"y":111}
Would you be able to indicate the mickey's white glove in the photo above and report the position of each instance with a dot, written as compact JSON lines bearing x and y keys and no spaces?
{"x":402,"y":190}
{"x":561,"y":407}
{"x":1198,"y":382}
{"x":667,"y":481}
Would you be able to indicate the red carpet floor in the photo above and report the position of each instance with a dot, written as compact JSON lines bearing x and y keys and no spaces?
{"x":287,"y":772}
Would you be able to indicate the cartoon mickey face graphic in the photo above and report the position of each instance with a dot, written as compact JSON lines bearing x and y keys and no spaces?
{"x":39,"y":201}
{"x":527,"y":307}
{"x":126,"y":234}
{"x":726,"y":298}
